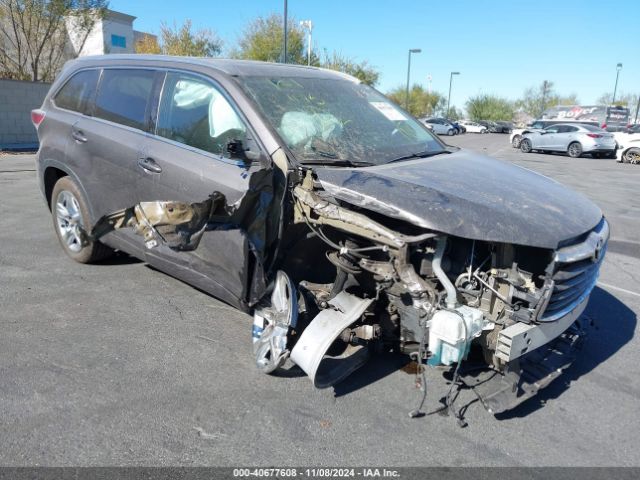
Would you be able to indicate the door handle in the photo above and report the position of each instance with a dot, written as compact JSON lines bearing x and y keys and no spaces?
{"x":78,"y":136}
{"x":148,"y":164}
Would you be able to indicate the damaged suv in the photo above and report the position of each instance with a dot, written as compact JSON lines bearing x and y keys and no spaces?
{"x":313,"y":202}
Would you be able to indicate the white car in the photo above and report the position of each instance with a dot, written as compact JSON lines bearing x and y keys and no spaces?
{"x":539,"y":125}
{"x":473,"y":127}
{"x":628,"y":147}
{"x":439,"y":126}
{"x":573,"y":138}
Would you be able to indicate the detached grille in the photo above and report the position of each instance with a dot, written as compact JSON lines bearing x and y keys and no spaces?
{"x":576,"y":269}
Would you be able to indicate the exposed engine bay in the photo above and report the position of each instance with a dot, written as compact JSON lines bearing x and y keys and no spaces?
{"x":348,"y":282}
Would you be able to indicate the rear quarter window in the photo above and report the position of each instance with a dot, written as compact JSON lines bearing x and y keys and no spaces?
{"x":124,"y":95}
{"x":77,"y":92}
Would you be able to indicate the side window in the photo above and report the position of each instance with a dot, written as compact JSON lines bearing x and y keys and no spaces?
{"x":571,"y":129}
{"x":195,"y":113}
{"x":123,"y":96}
{"x":78,"y":91}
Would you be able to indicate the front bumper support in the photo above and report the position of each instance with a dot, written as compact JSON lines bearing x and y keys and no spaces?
{"x":524,"y":377}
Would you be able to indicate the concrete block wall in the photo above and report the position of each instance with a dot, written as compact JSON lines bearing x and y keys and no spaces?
{"x":17,"y":99}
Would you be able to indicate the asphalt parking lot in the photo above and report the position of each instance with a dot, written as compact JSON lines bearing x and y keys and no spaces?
{"x":119,"y":364}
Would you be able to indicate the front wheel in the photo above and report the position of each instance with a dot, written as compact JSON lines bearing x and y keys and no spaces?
{"x":515,"y":141}
{"x":525,"y":145}
{"x":450,"y":132}
{"x":631,"y":156}
{"x":575,"y":150}
{"x":70,"y":214}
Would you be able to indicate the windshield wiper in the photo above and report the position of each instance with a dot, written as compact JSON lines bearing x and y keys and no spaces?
{"x":337,"y":162}
{"x":424,"y":154}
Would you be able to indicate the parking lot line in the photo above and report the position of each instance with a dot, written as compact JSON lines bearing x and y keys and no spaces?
{"x":613,"y":287}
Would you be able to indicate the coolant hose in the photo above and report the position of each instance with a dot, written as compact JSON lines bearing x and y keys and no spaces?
{"x":451,"y":298}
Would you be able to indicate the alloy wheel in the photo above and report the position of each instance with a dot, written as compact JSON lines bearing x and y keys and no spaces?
{"x":68,"y":220}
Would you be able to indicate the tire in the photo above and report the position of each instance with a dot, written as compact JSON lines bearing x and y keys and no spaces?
{"x":69,"y":208}
{"x":525,"y":145}
{"x":450,"y":132}
{"x":631,"y":156}
{"x":515,"y":141}
{"x":596,"y":155}
{"x":610,"y":155}
{"x":575,"y":150}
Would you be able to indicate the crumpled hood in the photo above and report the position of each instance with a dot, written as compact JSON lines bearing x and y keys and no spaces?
{"x":468,"y":195}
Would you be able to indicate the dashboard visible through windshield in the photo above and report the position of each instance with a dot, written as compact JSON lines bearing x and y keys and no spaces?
{"x":338,"y":121}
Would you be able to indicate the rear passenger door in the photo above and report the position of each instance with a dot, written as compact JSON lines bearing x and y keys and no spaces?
{"x":187,"y":160}
{"x":113,"y":140}
{"x":71,"y":103}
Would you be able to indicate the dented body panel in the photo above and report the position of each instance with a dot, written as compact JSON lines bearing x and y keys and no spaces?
{"x":468,"y":195}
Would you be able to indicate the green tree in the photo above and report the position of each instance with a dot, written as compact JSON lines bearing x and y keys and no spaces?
{"x":535,"y":100}
{"x":489,"y":107}
{"x":185,"y":42}
{"x":421,"y":102}
{"x":454,"y":113}
{"x":622,"y":99}
{"x":361,"y":70}
{"x":35,"y":34}
{"x":148,"y":44}
{"x":571,"y":99}
{"x":262,"y":40}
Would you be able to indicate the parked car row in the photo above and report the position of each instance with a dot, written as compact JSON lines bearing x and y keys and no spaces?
{"x":444,"y":126}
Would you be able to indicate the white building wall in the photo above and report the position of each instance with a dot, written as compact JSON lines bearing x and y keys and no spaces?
{"x":94,"y":45}
{"x":123,"y":29}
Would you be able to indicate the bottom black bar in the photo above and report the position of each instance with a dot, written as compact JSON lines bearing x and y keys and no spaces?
{"x":404,"y":473}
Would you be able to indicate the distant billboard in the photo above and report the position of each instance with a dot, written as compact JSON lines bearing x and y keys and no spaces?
{"x":590,"y":113}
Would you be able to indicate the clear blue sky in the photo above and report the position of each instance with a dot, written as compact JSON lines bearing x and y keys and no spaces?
{"x":500,"y":46}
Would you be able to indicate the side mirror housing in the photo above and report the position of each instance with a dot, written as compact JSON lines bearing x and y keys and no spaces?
{"x":237,"y":149}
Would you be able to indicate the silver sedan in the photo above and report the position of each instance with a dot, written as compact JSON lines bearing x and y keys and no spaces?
{"x":571,"y":138}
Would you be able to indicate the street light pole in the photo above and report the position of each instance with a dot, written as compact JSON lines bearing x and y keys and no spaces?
{"x":615,"y":89}
{"x":449,"y":98}
{"x":308,"y":24}
{"x":406,"y":96}
{"x":284,"y":36}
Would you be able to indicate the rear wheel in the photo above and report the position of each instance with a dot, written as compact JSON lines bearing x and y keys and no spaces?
{"x":450,"y":132}
{"x":525,"y":145}
{"x":575,"y":150}
{"x":631,"y":156}
{"x":70,"y":212}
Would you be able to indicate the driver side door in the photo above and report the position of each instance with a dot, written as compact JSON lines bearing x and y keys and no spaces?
{"x":187,"y":160}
